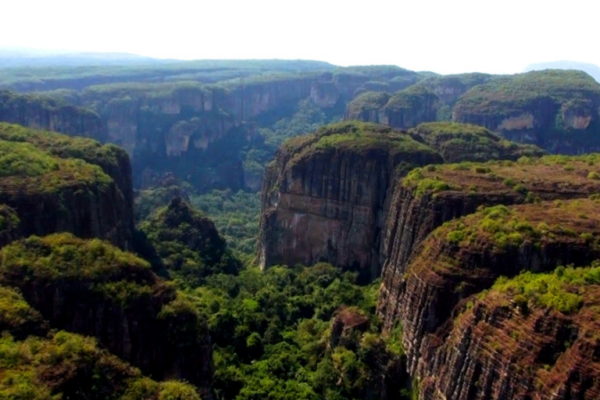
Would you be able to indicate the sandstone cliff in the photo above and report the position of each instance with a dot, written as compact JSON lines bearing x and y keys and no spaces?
{"x":92,"y":288}
{"x":405,"y":109}
{"x":326,"y":196}
{"x":554,"y":109}
{"x":45,"y":113}
{"x":55,"y":183}
{"x":430,"y":196}
{"x":465,"y":257}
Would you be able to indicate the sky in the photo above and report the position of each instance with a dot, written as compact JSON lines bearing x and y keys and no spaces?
{"x":444,"y":36}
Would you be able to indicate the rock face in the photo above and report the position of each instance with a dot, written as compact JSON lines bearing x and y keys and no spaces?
{"x":465,"y":257}
{"x":429,"y":197}
{"x":92,"y":288}
{"x":55,"y":183}
{"x":554,"y":109}
{"x":45,"y":113}
{"x":326,"y":195}
{"x":405,"y":109}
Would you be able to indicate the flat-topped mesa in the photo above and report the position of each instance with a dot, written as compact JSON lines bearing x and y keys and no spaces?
{"x":534,"y":336}
{"x":465,"y":142}
{"x":325,"y":196}
{"x":466,"y":256}
{"x":430,"y":196}
{"x":92,"y":288}
{"x":405,"y":109}
{"x":554,"y":109}
{"x":46,"y":113}
{"x":56,"y":183}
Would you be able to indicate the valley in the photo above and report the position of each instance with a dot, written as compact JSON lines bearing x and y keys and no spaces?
{"x":272,"y":229}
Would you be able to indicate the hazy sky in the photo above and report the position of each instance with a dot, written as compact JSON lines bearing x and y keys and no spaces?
{"x":445,"y":36}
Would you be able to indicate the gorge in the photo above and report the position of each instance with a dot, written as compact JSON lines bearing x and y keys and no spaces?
{"x":419,"y":236}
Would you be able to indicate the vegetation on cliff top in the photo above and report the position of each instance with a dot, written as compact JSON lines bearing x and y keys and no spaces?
{"x":188,"y":243}
{"x":105,"y":271}
{"x":465,"y":142}
{"x":66,"y":366}
{"x":27,"y":169}
{"x":367,"y":101}
{"x":505,"y":95}
{"x":355,"y":136}
{"x":560,"y":290}
{"x":572,"y":221}
{"x":547,"y":177}
{"x":410,"y":99}
{"x":17,"y":317}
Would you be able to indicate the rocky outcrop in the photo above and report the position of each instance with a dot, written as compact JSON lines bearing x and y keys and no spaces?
{"x":405,"y":109}
{"x":51,"y":188}
{"x":92,"y":288}
{"x":554,"y":109}
{"x":429,"y":197}
{"x":505,"y":353}
{"x":465,"y":257}
{"x":45,"y":113}
{"x":464,"y":142}
{"x":326,"y":196}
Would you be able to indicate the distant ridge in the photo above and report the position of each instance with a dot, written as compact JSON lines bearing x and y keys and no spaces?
{"x":591,"y":69}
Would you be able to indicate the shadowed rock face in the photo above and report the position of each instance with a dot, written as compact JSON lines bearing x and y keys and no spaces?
{"x":472,"y":357}
{"x":44,"y":113}
{"x":68,"y":185}
{"x":92,"y":288}
{"x":326,"y":195}
{"x":554,"y":109}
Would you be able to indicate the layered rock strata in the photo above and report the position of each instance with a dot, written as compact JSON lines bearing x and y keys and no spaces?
{"x":325,"y":196}
{"x":430,"y":196}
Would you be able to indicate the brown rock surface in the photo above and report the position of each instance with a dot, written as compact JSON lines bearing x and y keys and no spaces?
{"x":325,"y":196}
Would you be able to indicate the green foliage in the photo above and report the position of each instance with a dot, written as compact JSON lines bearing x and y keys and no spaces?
{"x":66,"y":365}
{"x":272,"y":332}
{"x":560,"y":290}
{"x":465,"y":142}
{"x":188,"y":243}
{"x":505,"y":95}
{"x":236,"y":216}
{"x":57,"y":258}
{"x":422,"y":185}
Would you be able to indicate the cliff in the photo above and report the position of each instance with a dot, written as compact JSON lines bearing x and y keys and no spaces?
{"x":92,"y":288}
{"x":405,"y":109}
{"x":524,"y":346}
{"x":45,"y":113}
{"x":464,"y":142}
{"x":325,"y":196}
{"x":55,"y":183}
{"x":464,"y":258}
{"x":554,"y":109}
{"x":430,"y":196}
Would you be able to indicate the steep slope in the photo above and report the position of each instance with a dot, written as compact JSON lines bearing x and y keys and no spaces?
{"x":464,"y":142}
{"x":530,"y":345}
{"x":45,"y":113}
{"x":325,"y":195}
{"x":554,"y":109}
{"x":405,"y":109}
{"x":430,"y":196}
{"x":92,"y":288}
{"x":56,"y":183}
{"x":463,"y":258}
